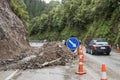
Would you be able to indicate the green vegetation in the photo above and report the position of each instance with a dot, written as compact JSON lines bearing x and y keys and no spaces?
{"x":81,"y":18}
{"x":35,"y":7}
{"x":19,"y":8}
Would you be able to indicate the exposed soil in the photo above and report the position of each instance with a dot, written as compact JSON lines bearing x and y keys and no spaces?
{"x":13,"y":35}
{"x":52,"y":53}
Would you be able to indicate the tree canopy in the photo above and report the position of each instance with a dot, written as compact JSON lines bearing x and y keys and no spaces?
{"x":81,"y":18}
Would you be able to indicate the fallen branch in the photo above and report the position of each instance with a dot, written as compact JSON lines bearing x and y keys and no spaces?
{"x":51,"y":62}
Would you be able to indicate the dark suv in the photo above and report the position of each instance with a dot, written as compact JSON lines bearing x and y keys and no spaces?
{"x":98,"y":46}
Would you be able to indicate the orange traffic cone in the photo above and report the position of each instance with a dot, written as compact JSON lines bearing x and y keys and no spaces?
{"x":118,"y":49}
{"x":80,"y":67}
{"x":80,"y":50}
{"x":103,"y":70}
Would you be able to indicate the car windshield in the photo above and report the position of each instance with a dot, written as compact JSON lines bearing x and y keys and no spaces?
{"x":101,"y":43}
{"x":100,"y":40}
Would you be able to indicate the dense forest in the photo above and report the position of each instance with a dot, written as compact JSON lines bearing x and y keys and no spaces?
{"x":83,"y":19}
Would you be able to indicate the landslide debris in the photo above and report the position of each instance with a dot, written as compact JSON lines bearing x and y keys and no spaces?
{"x":50,"y":54}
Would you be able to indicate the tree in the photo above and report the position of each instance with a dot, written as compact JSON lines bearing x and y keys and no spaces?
{"x":19,"y":8}
{"x":35,"y":7}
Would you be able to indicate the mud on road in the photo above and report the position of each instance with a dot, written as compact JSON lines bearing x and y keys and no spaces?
{"x":52,"y":53}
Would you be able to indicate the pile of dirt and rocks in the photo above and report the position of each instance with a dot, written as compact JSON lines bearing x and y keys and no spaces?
{"x":52,"y":53}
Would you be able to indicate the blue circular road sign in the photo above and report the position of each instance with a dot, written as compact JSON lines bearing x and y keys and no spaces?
{"x":72,"y":43}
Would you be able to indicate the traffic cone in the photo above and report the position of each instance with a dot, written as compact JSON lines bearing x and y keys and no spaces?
{"x":80,"y":67}
{"x":118,"y":49}
{"x":80,"y":50}
{"x":103,"y":70}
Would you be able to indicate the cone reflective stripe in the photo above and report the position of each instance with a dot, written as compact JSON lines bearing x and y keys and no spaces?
{"x":104,"y":76}
{"x":103,"y":70}
{"x":81,"y":56}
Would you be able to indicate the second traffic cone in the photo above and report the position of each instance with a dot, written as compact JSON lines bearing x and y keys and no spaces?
{"x":103,"y":70}
{"x":80,"y":69}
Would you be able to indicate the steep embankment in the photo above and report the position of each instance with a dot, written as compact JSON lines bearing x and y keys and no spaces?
{"x":13,"y":34}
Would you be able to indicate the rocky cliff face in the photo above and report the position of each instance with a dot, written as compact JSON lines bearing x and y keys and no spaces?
{"x":13,"y":35}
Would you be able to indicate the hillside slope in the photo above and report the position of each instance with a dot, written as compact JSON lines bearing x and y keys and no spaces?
{"x":13,"y":35}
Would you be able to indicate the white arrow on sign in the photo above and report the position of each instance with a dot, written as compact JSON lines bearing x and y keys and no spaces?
{"x":74,"y":45}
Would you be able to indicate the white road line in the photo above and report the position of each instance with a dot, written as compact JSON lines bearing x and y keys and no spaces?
{"x":12,"y":75}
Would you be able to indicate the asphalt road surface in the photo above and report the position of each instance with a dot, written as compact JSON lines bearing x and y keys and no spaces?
{"x":92,"y":67}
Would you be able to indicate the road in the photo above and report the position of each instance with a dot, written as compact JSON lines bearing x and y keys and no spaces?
{"x":92,"y":67}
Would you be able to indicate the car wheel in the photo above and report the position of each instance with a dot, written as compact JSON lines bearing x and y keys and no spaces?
{"x":91,"y":52}
{"x":87,"y":51}
{"x":108,"y":53}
